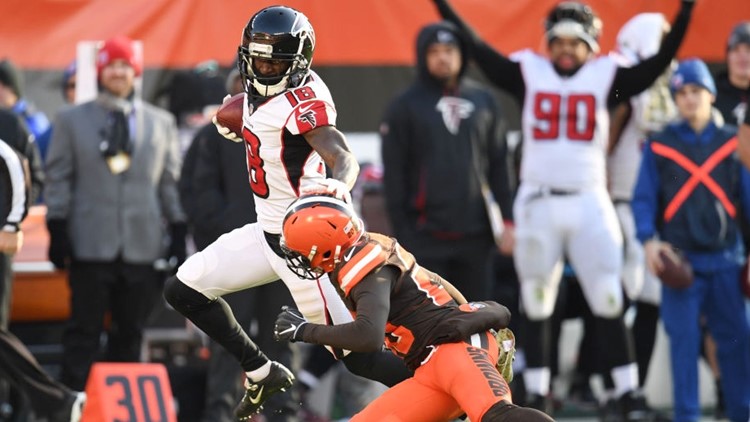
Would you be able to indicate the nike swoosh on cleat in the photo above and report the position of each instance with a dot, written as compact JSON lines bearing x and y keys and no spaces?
{"x":256,"y":399}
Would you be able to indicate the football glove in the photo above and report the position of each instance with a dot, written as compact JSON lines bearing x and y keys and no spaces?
{"x":506,"y":343}
{"x":334,"y":187}
{"x":223,"y":130}
{"x":290,"y":325}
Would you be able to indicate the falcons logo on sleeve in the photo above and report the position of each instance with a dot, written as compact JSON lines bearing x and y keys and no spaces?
{"x":454,"y":109}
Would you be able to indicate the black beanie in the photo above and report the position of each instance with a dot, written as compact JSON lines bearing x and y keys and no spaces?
{"x":11,"y":77}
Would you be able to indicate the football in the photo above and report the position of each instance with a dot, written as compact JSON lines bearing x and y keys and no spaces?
{"x":229,"y":114}
{"x":676,"y":273}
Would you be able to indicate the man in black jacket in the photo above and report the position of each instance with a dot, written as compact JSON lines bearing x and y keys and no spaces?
{"x":442,"y":139}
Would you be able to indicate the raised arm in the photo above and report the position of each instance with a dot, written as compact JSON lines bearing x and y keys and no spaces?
{"x":498,"y":69}
{"x":630,"y":81}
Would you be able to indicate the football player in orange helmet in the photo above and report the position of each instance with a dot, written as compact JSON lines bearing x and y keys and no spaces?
{"x":422,"y":317}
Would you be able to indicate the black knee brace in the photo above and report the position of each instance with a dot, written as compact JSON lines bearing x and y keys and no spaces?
{"x":184,"y":299}
{"x":216,"y":319}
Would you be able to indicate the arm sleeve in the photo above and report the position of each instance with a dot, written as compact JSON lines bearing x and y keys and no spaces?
{"x":14,"y":175}
{"x":367,"y":332}
{"x":498,"y":69}
{"x":645,"y":197}
{"x":630,"y":81}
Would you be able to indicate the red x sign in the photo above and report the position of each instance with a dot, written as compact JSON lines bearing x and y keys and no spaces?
{"x":698,"y":175}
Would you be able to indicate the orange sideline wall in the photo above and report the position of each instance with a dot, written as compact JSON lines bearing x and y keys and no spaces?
{"x":41,"y":34}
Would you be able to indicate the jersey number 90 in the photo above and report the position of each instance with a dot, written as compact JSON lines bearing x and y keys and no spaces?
{"x":579,"y":118}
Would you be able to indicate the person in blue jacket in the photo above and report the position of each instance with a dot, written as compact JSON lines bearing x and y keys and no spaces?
{"x":689,"y":195}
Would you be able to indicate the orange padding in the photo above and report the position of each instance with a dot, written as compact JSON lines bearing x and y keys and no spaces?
{"x":40,"y":297}
{"x":183,"y":33}
{"x":134,"y":392}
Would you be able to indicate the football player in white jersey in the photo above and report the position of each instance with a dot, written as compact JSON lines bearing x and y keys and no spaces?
{"x":563,"y":208}
{"x":290,"y":137}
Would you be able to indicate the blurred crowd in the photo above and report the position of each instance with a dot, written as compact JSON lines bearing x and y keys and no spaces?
{"x":132,"y":190}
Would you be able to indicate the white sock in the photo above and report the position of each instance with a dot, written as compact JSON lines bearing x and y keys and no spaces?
{"x":625,"y":378}
{"x":260,"y":373}
{"x":537,"y":380}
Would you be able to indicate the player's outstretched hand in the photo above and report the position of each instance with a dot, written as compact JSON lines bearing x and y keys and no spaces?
{"x":334,"y":187}
{"x":290,"y":325}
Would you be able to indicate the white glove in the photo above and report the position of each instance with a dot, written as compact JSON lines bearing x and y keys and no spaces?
{"x":334,"y":187}
{"x":223,"y":130}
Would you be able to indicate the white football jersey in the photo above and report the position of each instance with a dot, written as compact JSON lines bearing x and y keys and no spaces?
{"x":565,"y":123}
{"x":650,"y":112}
{"x":279,"y":159}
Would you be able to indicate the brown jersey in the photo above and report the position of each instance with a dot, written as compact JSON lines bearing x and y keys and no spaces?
{"x":420,"y":307}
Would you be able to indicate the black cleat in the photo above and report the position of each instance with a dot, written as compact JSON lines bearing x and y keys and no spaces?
{"x":634,"y":408}
{"x":279,"y":379}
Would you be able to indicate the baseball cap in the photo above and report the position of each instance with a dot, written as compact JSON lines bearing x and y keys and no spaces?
{"x":692,"y":71}
{"x":119,"y":47}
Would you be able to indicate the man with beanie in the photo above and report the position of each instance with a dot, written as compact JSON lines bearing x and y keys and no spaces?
{"x":690,"y":194}
{"x":11,"y":97}
{"x":443,"y":142}
{"x":732,"y":85}
{"x":111,"y":197}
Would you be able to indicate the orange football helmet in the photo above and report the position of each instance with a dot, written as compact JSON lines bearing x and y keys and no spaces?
{"x":317,"y":229}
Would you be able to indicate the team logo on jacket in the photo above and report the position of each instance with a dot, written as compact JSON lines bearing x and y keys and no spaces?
{"x":454,"y":110}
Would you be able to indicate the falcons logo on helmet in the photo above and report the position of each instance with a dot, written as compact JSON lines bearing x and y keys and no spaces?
{"x":454,"y":110}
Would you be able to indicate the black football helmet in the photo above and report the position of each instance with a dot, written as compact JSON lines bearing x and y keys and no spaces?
{"x":574,"y":19}
{"x":276,"y":33}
